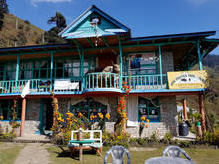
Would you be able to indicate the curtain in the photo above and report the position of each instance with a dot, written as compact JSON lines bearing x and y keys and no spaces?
{"x":11,"y":71}
{"x":104,"y":101}
{"x":132,"y":111}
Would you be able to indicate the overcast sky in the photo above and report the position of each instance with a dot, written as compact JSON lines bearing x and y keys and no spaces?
{"x":144,"y":17}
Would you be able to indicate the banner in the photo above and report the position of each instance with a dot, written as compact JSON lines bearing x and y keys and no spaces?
{"x":187,"y":79}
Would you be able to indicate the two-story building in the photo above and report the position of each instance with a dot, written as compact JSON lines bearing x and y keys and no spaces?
{"x":87,"y":73}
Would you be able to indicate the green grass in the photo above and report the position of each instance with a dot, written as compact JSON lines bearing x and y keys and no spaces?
{"x":9,"y":155}
{"x":200,"y":156}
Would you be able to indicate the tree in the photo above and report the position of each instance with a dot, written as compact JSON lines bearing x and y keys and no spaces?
{"x":51,"y":36}
{"x":3,"y":11}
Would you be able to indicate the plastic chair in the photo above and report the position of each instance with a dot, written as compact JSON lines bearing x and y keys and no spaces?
{"x":175,"y":151}
{"x":117,"y":153}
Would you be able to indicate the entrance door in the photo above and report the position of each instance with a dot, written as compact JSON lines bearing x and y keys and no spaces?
{"x":49,"y":114}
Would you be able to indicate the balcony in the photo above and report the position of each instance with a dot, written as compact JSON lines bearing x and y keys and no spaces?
{"x":91,"y":82}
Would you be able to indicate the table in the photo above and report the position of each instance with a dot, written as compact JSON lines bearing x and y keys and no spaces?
{"x":168,"y":160}
{"x":80,"y":145}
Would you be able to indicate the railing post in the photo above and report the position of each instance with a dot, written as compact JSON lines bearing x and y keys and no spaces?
{"x":160,"y":63}
{"x":120,"y":57}
{"x":51,"y":68}
{"x":199,"y":55}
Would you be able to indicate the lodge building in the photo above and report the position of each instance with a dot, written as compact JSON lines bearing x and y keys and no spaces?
{"x":87,"y":73}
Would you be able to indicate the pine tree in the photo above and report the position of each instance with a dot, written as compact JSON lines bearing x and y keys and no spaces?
{"x":3,"y":11}
{"x":51,"y":36}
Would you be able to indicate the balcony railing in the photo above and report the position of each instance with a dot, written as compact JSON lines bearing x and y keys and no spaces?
{"x":146,"y":82}
{"x":91,"y":81}
{"x":101,"y":80}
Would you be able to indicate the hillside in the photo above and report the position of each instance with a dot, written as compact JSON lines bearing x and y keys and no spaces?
{"x":17,"y":32}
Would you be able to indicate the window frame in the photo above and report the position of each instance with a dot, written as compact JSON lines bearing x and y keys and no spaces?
{"x":148,"y":108}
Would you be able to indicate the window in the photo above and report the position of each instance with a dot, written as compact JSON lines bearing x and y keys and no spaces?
{"x":142,"y":64}
{"x":6,"y":111}
{"x":89,"y":108}
{"x":149,"y":108}
{"x":65,"y":68}
{"x":39,"y":69}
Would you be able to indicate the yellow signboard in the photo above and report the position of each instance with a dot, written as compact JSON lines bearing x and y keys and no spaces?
{"x":187,"y":79}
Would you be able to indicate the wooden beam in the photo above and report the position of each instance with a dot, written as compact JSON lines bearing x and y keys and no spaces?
{"x":90,"y":42}
{"x":184,"y":109}
{"x":202,"y":112}
{"x":106,"y":42}
{"x":23,"y":116}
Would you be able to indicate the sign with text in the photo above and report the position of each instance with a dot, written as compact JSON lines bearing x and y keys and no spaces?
{"x":65,"y":84}
{"x":187,"y":79}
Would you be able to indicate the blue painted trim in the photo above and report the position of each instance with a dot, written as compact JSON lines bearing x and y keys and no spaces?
{"x":182,"y":35}
{"x":108,"y":90}
{"x":10,"y":120}
{"x":37,"y":47}
{"x":88,"y":12}
{"x":103,"y":90}
{"x":168,"y":90}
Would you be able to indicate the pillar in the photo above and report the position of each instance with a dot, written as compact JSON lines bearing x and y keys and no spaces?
{"x":199,"y":56}
{"x":23,"y":113}
{"x":202,"y":112}
{"x":184,"y":110}
{"x":160,"y":64}
{"x":120,"y":63}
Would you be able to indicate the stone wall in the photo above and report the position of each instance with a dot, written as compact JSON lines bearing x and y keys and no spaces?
{"x":168,"y":123}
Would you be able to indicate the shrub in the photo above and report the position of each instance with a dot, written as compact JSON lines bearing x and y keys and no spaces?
{"x":112,"y":139}
{"x":27,"y":21}
{"x":168,"y":138}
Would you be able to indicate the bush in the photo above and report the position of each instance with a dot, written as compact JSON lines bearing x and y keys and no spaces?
{"x":7,"y":136}
{"x":27,"y":21}
{"x":112,"y":139}
{"x":168,"y":138}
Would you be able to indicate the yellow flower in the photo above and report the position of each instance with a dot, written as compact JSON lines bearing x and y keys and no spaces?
{"x":100,"y":115}
{"x":147,"y":125}
{"x":124,"y":115}
{"x":147,"y":120}
{"x":1,"y":117}
{"x":70,"y":114}
{"x":80,"y":115}
{"x":107,"y":116}
{"x":142,"y":118}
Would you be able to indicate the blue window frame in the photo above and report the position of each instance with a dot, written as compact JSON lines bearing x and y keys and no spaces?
{"x":89,"y":107}
{"x":149,"y":108}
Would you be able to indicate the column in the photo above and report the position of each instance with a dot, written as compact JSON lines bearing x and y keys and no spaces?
{"x":160,"y":63}
{"x":184,"y":109}
{"x":120,"y":62}
{"x":51,"y":69}
{"x":199,"y":55}
{"x":23,"y":113}
{"x":202,"y":112}
{"x":17,"y":73}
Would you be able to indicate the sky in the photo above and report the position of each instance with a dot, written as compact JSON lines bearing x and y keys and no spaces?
{"x":143,"y":17}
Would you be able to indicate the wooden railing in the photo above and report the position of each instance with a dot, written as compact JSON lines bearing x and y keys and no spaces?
{"x":101,"y":80}
{"x":146,"y":82}
{"x":89,"y":81}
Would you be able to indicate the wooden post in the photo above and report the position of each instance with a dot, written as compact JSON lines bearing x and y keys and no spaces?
{"x":202,"y":112}
{"x":184,"y":110}
{"x":23,"y":117}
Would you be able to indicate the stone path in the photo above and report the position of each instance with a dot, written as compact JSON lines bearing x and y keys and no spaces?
{"x":33,"y":153}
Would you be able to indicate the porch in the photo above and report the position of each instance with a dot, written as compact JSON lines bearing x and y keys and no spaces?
{"x":91,"y":82}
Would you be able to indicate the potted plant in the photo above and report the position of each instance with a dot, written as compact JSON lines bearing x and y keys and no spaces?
{"x":197,"y":117}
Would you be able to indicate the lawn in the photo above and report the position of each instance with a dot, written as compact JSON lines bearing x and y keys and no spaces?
{"x":9,"y":152}
{"x":200,"y":156}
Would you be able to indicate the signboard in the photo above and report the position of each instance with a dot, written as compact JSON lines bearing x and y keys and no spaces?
{"x":65,"y":84}
{"x":187,"y":79}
